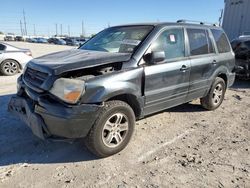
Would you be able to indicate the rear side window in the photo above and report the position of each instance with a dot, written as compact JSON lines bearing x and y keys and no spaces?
{"x":2,"y":47}
{"x":199,"y":42}
{"x":221,"y":41}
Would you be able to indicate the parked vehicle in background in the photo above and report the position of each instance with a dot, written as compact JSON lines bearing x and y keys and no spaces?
{"x":245,"y":34}
{"x":123,"y":74}
{"x":32,"y":40}
{"x":19,"y":38}
{"x":81,"y":41}
{"x":241,"y":47}
{"x":13,"y":59}
{"x":2,"y":37}
{"x":9,"y":38}
{"x":57,"y":41}
{"x":41,"y":40}
{"x":71,"y":41}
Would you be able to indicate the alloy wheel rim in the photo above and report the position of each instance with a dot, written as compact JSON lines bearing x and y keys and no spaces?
{"x":10,"y":67}
{"x":115,"y":130}
{"x":217,"y":94}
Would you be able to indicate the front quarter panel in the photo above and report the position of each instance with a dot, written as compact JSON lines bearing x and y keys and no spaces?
{"x":104,"y":87}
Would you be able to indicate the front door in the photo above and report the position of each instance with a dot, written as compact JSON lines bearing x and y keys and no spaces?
{"x":167,"y":82}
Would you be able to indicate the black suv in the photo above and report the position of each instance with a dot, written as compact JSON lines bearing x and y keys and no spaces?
{"x":123,"y":74}
{"x":241,"y":47}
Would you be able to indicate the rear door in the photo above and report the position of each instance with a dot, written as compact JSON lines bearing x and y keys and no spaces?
{"x":167,"y":82}
{"x":225,"y":54}
{"x":203,"y":61}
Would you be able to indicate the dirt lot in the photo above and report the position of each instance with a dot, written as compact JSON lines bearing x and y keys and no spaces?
{"x":185,"y":146}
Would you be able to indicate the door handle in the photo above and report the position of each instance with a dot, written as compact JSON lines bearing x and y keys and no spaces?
{"x":184,"y":68}
{"x":214,"y":62}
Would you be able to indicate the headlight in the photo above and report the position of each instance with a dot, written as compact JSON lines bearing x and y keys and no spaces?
{"x":68,"y":90}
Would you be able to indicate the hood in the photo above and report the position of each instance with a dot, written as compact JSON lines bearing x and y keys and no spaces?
{"x":60,"y":62}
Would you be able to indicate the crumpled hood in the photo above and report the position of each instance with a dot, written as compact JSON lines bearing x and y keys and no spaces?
{"x":68,"y":60}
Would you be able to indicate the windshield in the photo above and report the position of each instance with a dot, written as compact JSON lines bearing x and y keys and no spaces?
{"x":118,"y":39}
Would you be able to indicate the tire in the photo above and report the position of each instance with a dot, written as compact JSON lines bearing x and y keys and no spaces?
{"x":103,"y":139}
{"x":9,"y":67}
{"x":215,"y":96}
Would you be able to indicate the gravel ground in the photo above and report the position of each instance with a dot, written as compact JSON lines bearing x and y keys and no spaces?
{"x":185,"y":146}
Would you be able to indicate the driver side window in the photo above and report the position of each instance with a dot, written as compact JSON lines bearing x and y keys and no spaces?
{"x":171,"y":42}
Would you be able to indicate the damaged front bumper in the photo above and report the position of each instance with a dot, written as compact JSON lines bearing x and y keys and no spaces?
{"x":49,"y":120}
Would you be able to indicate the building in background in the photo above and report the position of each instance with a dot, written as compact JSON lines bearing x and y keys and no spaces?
{"x":236,"y":19}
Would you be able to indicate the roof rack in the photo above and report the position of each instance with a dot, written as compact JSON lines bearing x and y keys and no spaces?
{"x":196,"y":22}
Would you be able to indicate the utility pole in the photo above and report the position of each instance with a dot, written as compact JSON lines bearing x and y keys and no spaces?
{"x":221,"y":17}
{"x":21,"y":27}
{"x":56,"y":29}
{"x":61,"y":29}
{"x":34,"y":30}
{"x":83,"y":33}
{"x":108,"y":24}
{"x":24,"y":21}
{"x":69,"y":30}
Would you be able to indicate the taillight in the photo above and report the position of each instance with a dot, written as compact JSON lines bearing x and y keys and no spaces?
{"x":28,"y":53}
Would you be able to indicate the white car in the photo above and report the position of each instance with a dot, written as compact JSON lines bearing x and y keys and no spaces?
{"x":13,"y":59}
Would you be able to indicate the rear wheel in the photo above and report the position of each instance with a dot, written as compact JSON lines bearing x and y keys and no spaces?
{"x":9,"y":67}
{"x":215,"y":96}
{"x":112,"y":129}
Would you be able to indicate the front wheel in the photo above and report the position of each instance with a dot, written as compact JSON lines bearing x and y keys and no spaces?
{"x":112,"y":130}
{"x":215,"y":96}
{"x":9,"y":67}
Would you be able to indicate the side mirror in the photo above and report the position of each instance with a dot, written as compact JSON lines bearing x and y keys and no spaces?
{"x":154,"y":57}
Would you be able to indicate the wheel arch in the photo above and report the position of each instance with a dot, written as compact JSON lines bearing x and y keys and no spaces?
{"x":222,"y":72}
{"x":224,"y":77}
{"x":134,"y":102}
{"x":20,"y":66}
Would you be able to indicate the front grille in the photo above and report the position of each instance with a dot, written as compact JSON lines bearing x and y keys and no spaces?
{"x":35,"y":77}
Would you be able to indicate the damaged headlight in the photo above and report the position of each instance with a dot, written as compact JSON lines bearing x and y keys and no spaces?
{"x":68,"y":90}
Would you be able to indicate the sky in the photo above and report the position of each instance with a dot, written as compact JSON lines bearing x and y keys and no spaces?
{"x":43,"y":15}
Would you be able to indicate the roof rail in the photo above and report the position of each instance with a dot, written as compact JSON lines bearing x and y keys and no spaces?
{"x":196,"y":22}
